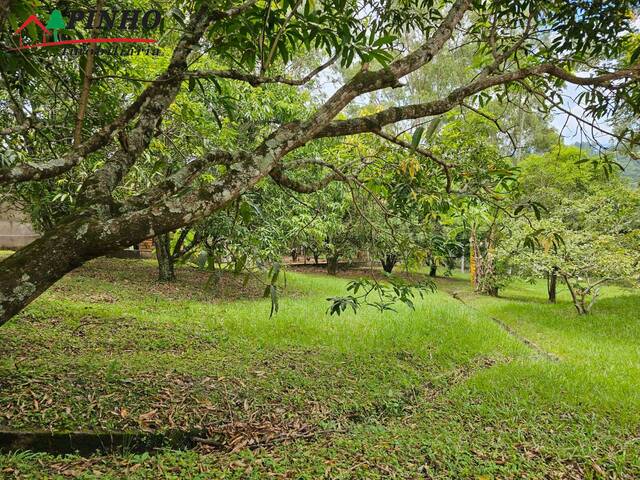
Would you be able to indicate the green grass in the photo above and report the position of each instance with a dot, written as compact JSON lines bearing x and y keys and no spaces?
{"x":439,"y":392}
{"x":601,"y":349}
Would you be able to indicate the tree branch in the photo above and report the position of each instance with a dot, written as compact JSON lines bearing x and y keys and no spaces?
{"x":98,"y":187}
{"x":279,"y":176}
{"x":374,"y":122}
{"x":87,"y":78}
{"x":28,"y":124}
{"x":180,"y":179}
{"x":422,"y":151}
{"x":256,"y":80}
{"x":368,"y":81}
{"x":52,"y":168}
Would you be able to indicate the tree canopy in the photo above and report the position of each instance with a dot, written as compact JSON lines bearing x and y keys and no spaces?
{"x":127,"y":147}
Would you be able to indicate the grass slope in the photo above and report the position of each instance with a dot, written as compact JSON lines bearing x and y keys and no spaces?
{"x":440,"y":392}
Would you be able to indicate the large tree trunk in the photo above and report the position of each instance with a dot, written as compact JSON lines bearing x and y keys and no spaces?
{"x":166,"y":271}
{"x":483,"y":263}
{"x":388,"y":262}
{"x":29,"y":272}
{"x":32,"y":270}
{"x":332,"y":265}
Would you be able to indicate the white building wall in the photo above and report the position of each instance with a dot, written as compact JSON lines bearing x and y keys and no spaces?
{"x":15,"y":229}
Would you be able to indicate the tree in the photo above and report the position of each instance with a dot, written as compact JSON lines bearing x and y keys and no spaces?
{"x":590,"y":260}
{"x":56,"y":23}
{"x":584,"y":260}
{"x":257,"y":44}
{"x":589,"y":234}
{"x":344,"y":228}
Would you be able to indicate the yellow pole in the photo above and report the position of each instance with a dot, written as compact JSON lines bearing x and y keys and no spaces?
{"x":472,"y":257}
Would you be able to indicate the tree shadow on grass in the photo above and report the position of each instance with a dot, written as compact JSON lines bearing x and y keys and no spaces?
{"x":107,"y":280}
{"x":530,"y":299}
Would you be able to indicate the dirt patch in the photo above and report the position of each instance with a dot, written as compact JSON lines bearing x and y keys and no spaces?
{"x":140,"y":277}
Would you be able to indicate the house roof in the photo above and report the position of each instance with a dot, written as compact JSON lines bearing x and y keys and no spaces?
{"x":29,"y":21}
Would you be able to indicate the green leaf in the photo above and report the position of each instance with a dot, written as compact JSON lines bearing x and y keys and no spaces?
{"x":387,"y":39}
{"x":417,"y":136}
{"x":635,"y":55}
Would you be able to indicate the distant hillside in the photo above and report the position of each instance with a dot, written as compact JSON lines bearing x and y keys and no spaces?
{"x":586,"y":148}
{"x":632,"y":171}
{"x":631,"y":167}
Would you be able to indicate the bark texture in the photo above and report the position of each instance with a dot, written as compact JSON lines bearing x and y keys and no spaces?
{"x":4,"y":10}
{"x":552,"y":285}
{"x":166,"y":270}
{"x":482,"y":262}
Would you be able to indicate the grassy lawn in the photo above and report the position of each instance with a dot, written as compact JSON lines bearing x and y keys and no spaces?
{"x":439,"y":392}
